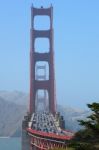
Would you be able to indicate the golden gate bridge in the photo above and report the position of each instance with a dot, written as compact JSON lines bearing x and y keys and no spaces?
{"x":43,"y":128}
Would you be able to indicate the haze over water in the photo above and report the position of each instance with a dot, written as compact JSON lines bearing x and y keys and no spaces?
{"x":10,"y":143}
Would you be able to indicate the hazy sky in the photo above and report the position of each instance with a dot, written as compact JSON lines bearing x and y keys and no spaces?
{"x":76,"y":33}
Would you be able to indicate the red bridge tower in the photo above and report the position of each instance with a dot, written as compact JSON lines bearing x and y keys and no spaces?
{"x":35,"y":84}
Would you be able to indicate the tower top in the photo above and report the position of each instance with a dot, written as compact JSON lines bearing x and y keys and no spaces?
{"x":42,"y":7}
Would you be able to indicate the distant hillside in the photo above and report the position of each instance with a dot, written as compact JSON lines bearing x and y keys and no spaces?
{"x":11,"y":116}
{"x":13,"y":107}
{"x":71,"y":116}
{"x":16,"y":97}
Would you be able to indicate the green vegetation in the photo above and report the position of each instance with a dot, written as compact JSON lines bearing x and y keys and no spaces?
{"x":88,"y":138}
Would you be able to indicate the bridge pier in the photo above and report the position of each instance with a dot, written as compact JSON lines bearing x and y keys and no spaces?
{"x":25,"y":141}
{"x":25,"y":137}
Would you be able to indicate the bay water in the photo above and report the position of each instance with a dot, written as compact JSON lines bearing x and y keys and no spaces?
{"x":10,"y":143}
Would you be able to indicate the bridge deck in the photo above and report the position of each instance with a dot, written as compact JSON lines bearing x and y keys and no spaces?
{"x":45,"y":125}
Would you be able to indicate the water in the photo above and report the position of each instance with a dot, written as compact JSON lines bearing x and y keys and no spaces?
{"x":10,"y":143}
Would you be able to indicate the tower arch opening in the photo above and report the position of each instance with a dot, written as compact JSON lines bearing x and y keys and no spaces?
{"x":41,"y":71}
{"x":42,"y":100}
{"x":42,"y":45}
{"x":41,"y":22}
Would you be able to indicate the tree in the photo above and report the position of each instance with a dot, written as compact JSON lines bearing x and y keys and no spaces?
{"x":88,"y":138}
{"x":91,"y":125}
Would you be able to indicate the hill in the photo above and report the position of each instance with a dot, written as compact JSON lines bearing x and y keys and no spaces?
{"x":11,"y":116}
{"x":16,"y":97}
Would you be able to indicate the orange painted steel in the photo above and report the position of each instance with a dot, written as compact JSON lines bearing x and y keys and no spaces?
{"x":49,"y":135}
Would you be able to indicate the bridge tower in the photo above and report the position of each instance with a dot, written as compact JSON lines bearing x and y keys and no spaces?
{"x":48,"y":57}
